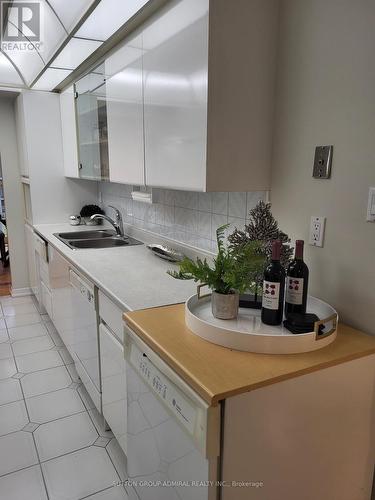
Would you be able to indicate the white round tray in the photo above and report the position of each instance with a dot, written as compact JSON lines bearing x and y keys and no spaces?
{"x":248,"y":333}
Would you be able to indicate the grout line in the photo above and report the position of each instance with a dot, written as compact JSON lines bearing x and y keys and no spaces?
{"x":68,"y":453}
{"x":31,"y":338}
{"x":19,"y":470}
{"x":99,"y":491}
{"x":42,"y":369}
{"x":40,"y":466}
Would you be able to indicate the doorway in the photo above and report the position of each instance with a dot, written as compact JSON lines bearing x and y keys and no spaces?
{"x":5,"y":277}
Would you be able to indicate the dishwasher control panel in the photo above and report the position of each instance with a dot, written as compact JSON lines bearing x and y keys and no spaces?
{"x":172,"y":397}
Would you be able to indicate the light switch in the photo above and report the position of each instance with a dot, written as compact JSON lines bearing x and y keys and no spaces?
{"x":371,"y":205}
{"x":323,"y":162}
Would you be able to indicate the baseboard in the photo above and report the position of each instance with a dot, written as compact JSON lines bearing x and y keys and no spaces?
{"x":20,"y":292}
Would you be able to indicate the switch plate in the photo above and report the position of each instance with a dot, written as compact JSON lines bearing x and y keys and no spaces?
{"x":323,"y":162}
{"x":317,"y":227}
{"x":371,"y":205}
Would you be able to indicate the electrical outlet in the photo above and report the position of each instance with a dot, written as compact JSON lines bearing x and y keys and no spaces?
{"x":317,"y":227}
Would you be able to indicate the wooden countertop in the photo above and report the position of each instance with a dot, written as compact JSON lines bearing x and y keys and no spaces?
{"x":216,"y":372}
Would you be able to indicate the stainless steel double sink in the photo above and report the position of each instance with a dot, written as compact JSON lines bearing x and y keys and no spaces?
{"x":101,"y":238}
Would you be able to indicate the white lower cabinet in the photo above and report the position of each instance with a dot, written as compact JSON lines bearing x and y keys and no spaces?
{"x":46,"y":299}
{"x":113,"y":383}
{"x":31,"y":263}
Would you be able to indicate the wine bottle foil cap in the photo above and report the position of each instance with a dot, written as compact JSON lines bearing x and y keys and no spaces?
{"x":276,"y":249}
{"x":299,"y":249}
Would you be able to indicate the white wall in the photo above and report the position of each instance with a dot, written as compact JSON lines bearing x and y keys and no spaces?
{"x":326,"y":95}
{"x":13,"y":194}
{"x":54,"y":197}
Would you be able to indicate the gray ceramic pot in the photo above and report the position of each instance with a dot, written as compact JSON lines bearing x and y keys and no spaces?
{"x":225,"y":306}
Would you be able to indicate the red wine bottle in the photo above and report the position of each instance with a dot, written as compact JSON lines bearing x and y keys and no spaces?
{"x":297,"y":282}
{"x":273,"y":288}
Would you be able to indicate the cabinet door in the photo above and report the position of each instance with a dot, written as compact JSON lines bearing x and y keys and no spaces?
{"x":113,"y":375}
{"x":69,"y":133}
{"x":61,"y":296}
{"x":124,"y":100}
{"x":92,"y":134}
{"x":175,"y":96}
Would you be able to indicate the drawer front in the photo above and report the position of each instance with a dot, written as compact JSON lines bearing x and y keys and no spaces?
{"x":113,"y":375}
{"x":44,"y":273}
{"x":47,"y":299}
{"x":41,"y":247}
{"x":111,"y":315}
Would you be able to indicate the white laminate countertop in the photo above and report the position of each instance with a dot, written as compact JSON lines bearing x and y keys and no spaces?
{"x":131,"y":276}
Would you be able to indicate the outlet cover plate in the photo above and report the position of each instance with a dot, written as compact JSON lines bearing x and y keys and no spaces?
{"x":323,"y":162}
{"x":371,"y":205}
{"x":317,"y":228}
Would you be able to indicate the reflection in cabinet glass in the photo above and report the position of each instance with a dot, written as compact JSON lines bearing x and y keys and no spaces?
{"x":92,"y":134}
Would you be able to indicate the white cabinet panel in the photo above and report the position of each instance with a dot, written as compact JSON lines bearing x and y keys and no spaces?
{"x":21,"y":136}
{"x":175,"y":97}
{"x":111,"y":315}
{"x":69,"y":133}
{"x":113,"y":375}
{"x":124,"y":97}
{"x":47,"y":299}
{"x":62,"y":300}
{"x":29,"y":233}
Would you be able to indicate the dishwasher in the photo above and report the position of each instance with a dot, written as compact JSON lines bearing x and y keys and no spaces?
{"x":84,"y":343}
{"x":173,"y":436}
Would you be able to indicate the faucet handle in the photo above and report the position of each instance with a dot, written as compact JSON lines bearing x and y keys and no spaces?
{"x":117,"y":212}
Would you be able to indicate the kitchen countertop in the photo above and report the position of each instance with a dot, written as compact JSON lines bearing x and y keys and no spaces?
{"x":132,"y":277}
{"x":217,"y":373}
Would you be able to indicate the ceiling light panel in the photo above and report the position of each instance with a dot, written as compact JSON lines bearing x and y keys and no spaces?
{"x":29,"y":63}
{"x":70,"y":12}
{"x":50,"y":78}
{"x":75,"y":52}
{"x":108,"y":17}
{"x":53,"y":33}
{"x":8,"y":74}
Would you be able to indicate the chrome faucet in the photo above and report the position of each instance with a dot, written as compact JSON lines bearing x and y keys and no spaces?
{"x":117,"y":223}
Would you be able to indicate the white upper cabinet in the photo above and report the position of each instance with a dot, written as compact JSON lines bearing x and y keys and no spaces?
{"x":175,"y":65}
{"x":124,"y":100}
{"x":187,"y":102}
{"x":69,"y":133}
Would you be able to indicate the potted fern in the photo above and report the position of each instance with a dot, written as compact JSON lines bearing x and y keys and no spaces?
{"x":233,"y":271}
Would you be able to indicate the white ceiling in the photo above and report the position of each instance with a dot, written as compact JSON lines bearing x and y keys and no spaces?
{"x":44,"y":66}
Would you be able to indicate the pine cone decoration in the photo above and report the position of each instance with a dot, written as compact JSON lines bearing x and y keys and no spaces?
{"x":264,"y":228}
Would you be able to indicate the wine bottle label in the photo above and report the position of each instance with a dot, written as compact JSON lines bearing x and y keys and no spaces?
{"x":294,"y":290}
{"x":271,"y":294}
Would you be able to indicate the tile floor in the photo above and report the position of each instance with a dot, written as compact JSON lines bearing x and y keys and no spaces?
{"x":53,"y":445}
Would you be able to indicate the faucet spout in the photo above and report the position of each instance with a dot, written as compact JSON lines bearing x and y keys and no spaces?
{"x":117,"y":223}
{"x":117,"y":228}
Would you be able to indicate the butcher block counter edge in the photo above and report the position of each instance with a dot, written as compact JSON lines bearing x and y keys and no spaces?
{"x":217,"y":373}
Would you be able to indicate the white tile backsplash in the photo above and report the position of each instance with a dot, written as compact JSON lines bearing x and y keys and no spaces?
{"x":184,"y":216}
{"x":237,"y":205}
